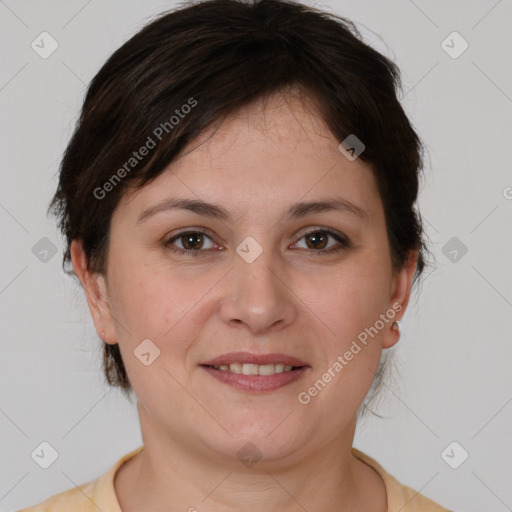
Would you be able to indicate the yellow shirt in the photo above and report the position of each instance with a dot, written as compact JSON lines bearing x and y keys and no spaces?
{"x":100,"y":494}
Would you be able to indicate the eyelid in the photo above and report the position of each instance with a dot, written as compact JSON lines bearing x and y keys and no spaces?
{"x":314,"y":229}
{"x":185,"y":231}
{"x":191,"y":229}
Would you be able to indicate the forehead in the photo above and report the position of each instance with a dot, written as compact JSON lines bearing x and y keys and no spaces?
{"x":272,"y":152}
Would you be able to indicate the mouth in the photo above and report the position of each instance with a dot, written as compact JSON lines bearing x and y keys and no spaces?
{"x":256,"y":373}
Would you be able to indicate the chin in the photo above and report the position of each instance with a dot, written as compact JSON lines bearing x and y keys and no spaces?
{"x":263,"y":440}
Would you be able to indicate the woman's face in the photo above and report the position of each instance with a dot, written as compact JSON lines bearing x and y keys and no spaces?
{"x":264,"y":276}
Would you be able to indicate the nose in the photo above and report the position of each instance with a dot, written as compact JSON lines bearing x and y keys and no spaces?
{"x":259,"y":296}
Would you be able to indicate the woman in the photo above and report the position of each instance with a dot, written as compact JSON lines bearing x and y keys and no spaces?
{"x":238,"y":202}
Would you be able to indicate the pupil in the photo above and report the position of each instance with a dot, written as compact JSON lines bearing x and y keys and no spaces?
{"x":192,"y":241}
{"x":317,"y":237}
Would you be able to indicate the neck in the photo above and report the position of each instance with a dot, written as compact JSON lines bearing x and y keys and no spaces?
{"x":173,"y":475}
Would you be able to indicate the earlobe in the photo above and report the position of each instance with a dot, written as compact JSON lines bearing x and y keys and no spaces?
{"x":400,"y":292}
{"x":392,"y":334}
{"x":96,"y":294}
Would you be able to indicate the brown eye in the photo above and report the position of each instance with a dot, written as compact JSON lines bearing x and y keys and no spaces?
{"x":192,"y":241}
{"x":316,"y":240}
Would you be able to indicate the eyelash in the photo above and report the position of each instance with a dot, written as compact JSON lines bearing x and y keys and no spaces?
{"x":345,"y":244}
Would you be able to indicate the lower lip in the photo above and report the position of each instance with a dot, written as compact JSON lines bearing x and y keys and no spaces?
{"x":256,"y":383}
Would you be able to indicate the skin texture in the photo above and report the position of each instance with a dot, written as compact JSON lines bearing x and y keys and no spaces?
{"x":292,"y":299}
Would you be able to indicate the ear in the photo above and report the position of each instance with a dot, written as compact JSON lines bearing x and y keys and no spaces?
{"x":96,"y":293}
{"x":400,"y":291}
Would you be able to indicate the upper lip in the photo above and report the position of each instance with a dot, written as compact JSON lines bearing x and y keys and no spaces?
{"x":260,"y":359}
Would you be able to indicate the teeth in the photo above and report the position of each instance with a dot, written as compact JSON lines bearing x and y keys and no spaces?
{"x":235,"y":368}
{"x":266,"y":369}
{"x":255,"y":369}
{"x":250,"y":369}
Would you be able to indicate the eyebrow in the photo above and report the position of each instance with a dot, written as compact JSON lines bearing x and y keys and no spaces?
{"x":296,"y":210}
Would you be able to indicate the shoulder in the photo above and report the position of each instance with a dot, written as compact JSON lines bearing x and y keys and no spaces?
{"x":400,"y":497}
{"x":77,"y":499}
{"x":98,"y":494}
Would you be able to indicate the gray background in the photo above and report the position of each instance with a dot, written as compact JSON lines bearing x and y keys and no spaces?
{"x":455,"y":352}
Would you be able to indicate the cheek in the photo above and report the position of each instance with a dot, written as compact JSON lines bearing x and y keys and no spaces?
{"x":150,"y":300}
{"x":350,"y":300}
{"x":168,"y":308}
{"x":351,"y":306}
{"x":149,"y":306}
